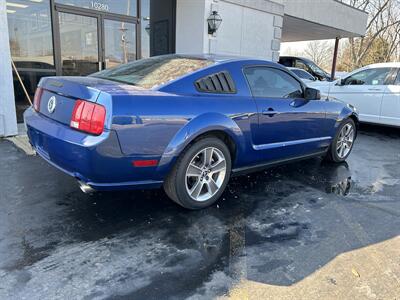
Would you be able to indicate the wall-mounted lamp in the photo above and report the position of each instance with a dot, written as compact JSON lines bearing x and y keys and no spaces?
{"x":214,"y":21}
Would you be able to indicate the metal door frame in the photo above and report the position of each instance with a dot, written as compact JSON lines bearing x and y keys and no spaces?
{"x":57,"y":8}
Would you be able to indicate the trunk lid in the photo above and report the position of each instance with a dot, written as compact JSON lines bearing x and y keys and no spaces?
{"x":59,"y":94}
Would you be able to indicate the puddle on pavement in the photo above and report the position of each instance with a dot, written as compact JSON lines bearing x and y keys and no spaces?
{"x":342,"y":188}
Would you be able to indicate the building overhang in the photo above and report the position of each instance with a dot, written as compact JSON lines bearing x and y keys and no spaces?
{"x":306,"y":20}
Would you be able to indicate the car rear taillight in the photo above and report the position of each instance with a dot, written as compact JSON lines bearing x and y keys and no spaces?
{"x":88,"y":117}
{"x":36,"y":99}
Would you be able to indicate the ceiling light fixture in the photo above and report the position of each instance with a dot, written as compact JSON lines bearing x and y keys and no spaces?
{"x":12,"y":4}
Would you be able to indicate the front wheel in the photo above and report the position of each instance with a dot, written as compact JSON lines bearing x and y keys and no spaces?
{"x":343,"y":142}
{"x":200,"y":175}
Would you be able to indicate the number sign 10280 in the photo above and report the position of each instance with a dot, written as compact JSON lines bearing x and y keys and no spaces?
{"x":99,"y":6}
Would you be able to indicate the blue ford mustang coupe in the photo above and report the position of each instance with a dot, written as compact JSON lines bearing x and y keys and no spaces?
{"x":186,"y":123}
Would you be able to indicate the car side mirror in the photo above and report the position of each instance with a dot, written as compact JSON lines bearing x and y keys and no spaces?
{"x":312,"y":94}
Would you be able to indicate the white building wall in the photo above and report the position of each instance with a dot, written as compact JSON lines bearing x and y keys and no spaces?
{"x":191,"y":26}
{"x":8,"y":119}
{"x":249,"y":28}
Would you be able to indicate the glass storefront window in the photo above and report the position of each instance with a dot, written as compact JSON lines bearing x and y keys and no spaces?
{"x":29,"y":27}
{"x":122,"y":7}
{"x":31,"y":45}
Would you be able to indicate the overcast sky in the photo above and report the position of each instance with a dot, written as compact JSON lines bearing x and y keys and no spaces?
{"x":290,"y":48}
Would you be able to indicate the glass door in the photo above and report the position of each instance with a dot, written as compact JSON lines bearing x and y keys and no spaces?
{"x":89,"y":43}
{"x":79,"y":44}
{"x":119,"y":42}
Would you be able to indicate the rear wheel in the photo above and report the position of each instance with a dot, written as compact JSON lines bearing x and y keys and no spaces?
{"x":200,"y":175}
{"x":343,"y":142}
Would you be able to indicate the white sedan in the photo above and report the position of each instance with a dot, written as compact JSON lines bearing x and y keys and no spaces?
{"x":374,"y":90}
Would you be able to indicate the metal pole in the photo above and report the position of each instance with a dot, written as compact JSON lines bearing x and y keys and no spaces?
{"x":335,"y":53}
{"x":21,"y":82}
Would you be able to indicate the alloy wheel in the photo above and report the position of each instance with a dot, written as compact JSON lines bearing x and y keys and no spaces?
{"x":205,"y":174}
{"x":345,"y":141}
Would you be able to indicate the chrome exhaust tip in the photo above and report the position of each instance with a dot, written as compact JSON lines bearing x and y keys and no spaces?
{"x":87,"y":189}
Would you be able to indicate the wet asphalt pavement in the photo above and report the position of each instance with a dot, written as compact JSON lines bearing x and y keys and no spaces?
{"x":275,"y":227}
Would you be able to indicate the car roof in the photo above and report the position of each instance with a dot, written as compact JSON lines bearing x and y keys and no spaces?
{"x":221,"y":58}
{"x":383,"y":65}
{"x":374,"y":66}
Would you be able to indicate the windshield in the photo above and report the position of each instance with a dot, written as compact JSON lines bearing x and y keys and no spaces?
{"x":151,"y":72}
{"x":318,"y":70}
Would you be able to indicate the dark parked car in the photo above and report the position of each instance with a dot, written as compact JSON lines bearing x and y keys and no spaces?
{"x":184,"y":122}
{"x":305,"y":64}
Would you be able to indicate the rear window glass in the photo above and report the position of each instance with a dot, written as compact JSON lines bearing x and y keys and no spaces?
{"x":154,"y":71}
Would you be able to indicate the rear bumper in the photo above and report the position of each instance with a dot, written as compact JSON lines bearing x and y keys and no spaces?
{"x":95,"y":160}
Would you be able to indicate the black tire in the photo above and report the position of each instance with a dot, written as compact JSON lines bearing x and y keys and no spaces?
{"x":175,"y":184}
{"x":332,"y":154}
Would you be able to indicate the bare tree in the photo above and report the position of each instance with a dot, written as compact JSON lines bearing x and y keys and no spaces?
{"x":292,"y":52}
{"x":321,"y":52}
{"x":383,"y":24}
{"x":392,"y":34}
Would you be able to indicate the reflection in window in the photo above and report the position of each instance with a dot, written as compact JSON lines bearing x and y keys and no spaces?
{"x":376,"y":76}
{"x":120,"y":42}
{"x":151,"y":72}
{"x":79,"y":44}
{"x":272,"y":83}
{"x":29,"y":28}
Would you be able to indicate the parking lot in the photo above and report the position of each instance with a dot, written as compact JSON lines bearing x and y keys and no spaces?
{"x":309,"y":230}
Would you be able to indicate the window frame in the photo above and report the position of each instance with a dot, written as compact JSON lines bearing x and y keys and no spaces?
{"x":302,"y":85}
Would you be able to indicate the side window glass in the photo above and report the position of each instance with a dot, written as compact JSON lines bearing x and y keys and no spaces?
{"x":299,"y":64}
{"x":272,"y":83}
{"x":369,"y":77}
{"x":287,"y":62}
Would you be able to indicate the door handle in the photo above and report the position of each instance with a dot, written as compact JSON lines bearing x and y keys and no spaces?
{"x":270,"y":112}
{"x":374,"y":89}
